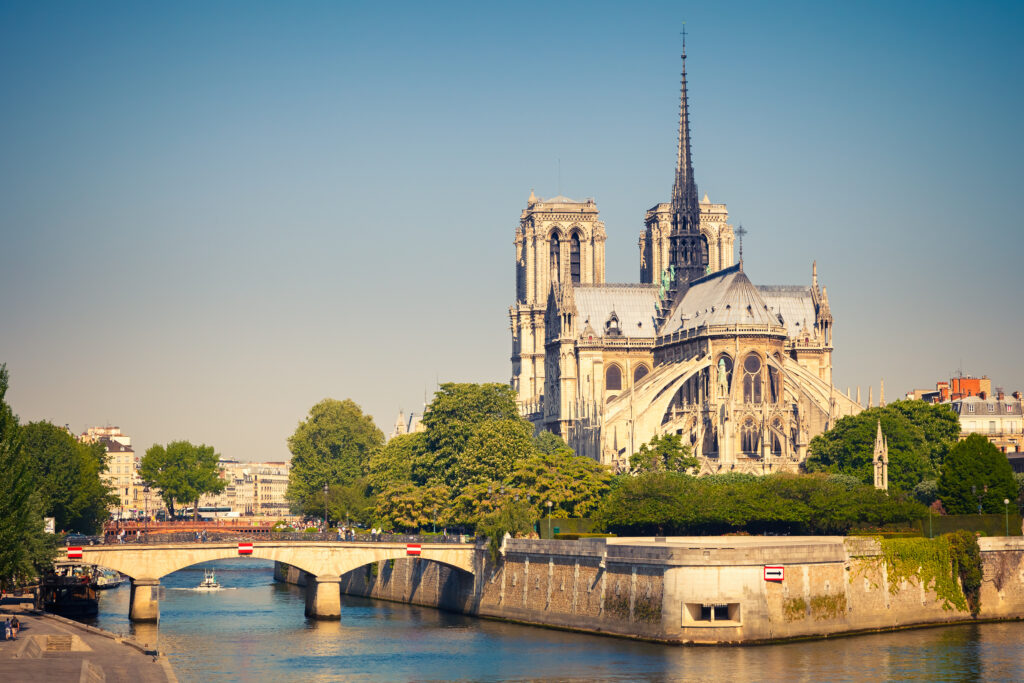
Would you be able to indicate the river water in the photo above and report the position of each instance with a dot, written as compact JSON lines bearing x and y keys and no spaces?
{"x":254,"y":630}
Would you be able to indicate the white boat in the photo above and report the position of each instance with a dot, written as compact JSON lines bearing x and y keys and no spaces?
{"x":209,"y":582}
{"x":108,"y":579}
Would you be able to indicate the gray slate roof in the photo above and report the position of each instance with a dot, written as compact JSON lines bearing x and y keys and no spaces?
{"x":632,"y":303}
{"x":726,"y":297}
{"x":793,"y":303}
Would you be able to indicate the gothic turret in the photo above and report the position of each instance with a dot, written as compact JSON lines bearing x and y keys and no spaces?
{"x":881,"y":460}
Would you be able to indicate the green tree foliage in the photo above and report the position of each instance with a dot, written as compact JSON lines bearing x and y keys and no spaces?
{"x":664,"y":454}
{"x":515,"y":518}
{"x":453,"y":417}
{"x":574,"y":484}
{"x":333,"y":446}
{"x":548,"y":443}
{"x":927,"y":491}
{"x":484,"y":458}
{"x":183,"y":472}
{"x":919,"y":435}
{"x":25,"y":548}
{"x":395,"y":461}
{"x":673,"y":503}
{"x":408,"y":507}
{"x":491,"y":452}
{"x":975,"y":472}
{"x":355,"y":502}
{"x":67,"y":476}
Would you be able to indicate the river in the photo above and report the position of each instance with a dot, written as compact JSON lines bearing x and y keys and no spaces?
{"x":254,"y":630}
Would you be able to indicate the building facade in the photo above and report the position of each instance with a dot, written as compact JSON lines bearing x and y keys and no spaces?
{"x":742,"y":372}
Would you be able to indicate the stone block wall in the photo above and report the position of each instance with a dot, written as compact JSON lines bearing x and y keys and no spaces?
{"x":700,"y":591}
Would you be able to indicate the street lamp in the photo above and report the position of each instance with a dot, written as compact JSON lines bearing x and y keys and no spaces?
{"x":325,"y":507}
{"x":1006,"y":514}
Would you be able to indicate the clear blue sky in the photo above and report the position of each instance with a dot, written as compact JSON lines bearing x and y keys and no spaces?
{"x":214,"y":215}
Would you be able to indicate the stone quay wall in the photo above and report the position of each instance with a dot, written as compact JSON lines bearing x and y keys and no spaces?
{"x":691,"y":590}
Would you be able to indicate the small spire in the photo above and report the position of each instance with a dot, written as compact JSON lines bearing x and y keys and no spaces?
{"x":858,"y":396}
{"x":814,"y":274}
{"x":871,"y":400}
{"x":532,"y":199}
{"x":881,"y":397}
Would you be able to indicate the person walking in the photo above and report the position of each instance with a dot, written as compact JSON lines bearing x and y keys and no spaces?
{"x":15,"y":627}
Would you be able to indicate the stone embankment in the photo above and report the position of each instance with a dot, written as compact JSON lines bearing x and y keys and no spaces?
{"x":710,"y":590}
{"x":51,"y":648}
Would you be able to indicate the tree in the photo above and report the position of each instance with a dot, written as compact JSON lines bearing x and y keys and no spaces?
{"x":453,"y":417}
{"x":574,"y":484}
{"x":491,"y":452}
{"x":183,"y":472}
{"x":664,"y":454}
{"x":351,"y":502}
{"x":395,"y":462}
{"x":848,"y":447}
{"x":25,"y":548}
{"x":333,"y":446}
{"x":410,"y":507}
{"x":67,"y":476}
{"x":975,"y":473}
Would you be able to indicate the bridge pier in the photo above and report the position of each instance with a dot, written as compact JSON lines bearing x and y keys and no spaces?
{"x":145,"y":603}
{"x":323,"y":597}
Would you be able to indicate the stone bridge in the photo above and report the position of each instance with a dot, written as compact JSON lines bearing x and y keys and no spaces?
{"x":323,"y":561}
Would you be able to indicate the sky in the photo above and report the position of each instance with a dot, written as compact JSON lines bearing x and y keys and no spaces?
{"x":214,"y":215}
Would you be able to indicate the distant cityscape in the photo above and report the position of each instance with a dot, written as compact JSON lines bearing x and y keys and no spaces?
{"x":254,"y":489}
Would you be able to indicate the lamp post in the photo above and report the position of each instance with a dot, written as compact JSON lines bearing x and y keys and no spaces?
{"x":325,"y":507}
{"x":1006,"y":514}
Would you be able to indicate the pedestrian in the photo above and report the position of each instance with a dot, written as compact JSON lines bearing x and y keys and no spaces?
{"x":7,"y":629}
{"x":15,"y":627}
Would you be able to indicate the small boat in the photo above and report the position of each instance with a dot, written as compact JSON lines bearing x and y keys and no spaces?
{"x":209,"y":582}
{"x":108,"y":578}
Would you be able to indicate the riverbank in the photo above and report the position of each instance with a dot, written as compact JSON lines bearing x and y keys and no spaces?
{"x":50,"y":648}
{"x":701,"y":590}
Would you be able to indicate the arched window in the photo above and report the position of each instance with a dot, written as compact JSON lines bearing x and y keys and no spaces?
{"x":574,"y":258}
{"x":640,"y":372}
{"x":752,"y":379}
{"x":750,"y":438}
{"x":556,"y":257}
{"x":777,"y":437}
{"x":613,"y":378}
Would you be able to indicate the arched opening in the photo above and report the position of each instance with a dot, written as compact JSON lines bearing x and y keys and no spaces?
{"x":640,"y":372}
{"x":752,"y":379}
{"x":574,"y":257}
{"x":750,"y":442}
{"x":776,"y":437}
{"x":613,"y":378}
{"x":556,"y":257}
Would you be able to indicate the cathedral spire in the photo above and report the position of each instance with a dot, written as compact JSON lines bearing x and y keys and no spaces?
{"x":689,"y":252}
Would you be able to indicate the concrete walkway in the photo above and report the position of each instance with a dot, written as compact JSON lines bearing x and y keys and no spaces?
{"x":50,"y":648}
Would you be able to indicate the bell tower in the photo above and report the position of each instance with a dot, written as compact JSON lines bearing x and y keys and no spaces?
{"x":559,"y":240}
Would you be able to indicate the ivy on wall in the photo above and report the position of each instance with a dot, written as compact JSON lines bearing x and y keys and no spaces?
{"x":950,"y":565}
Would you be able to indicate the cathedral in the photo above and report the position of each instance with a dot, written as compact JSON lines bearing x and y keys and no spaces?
{"x":742,"y":372}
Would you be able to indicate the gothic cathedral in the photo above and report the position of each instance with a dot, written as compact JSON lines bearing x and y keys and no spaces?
{"x":742,"y":372}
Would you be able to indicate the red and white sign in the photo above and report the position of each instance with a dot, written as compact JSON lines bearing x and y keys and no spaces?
{"x":412,"y":548}
{"x":245,"y":548}
{"x":74,"y":553}
{"x":774,"y":572}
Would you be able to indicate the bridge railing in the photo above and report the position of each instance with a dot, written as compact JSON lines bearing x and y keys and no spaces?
{"x":320,"y":537}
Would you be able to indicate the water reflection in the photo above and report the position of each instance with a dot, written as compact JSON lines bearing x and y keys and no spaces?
{"x":256,"y":631}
